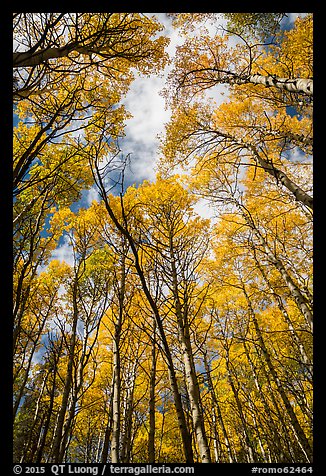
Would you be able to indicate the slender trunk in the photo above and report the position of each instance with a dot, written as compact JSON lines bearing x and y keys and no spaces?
{"x":298,"y":431}
{"x":36,"y":420}
{"x":216,"y":442}
{"x":280,"y":176}
{"x":24,"y":381}
{"x":188,"y":359}
{"x":98,"y":449}
{"x":186,"y":439}
{"x":285,"y":435}
{"x":68,"y":381}
{"x":34,"y":443}
{"x":257,"y":426}
{"x":21,"y":295}
{"x":23,"y":164}
{"x":108,"y":431}
{"x":296,"y":339}
{"x":217,"y":406}
{"x":78,"y":384}
{"x":128,"y":412}
{"x":294,"y":289}
{"x":115,"y":437}
{"x":19,"y":307}
{"x":185,"y":435}
{"x":67,"y":428}
{"x":250,"y":450}
{"x":45,"y":430}
{"x":128,"y":426}
{"x":116,"y":417}
{"x":30,"y":359}
{"x":151,"y":435}
{"x":194,"y":397}
{"x":298,"y":297}
{"x":299,"y":194}
{"x":301,"y":139}
{"x":275,"y":440}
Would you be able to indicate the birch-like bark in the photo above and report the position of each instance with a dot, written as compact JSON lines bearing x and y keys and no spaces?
{"x":99,"y":447}
{"x":294,"y":289}
{"x":253,"y":411}
{"x":295,"y":85}
{"x":115,"y":439}
{"x":194,"y":397}
{"x":299,"y":194}
{"x":281,"y":178}
{"x":208,"y":77}
{"x":282,"y":134}
{"x":126,"y":439}
{"x":108,"y":430}
{"x":80,"y":373}
{"x":277,"y":410}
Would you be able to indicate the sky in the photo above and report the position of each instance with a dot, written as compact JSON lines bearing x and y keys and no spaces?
{"x":149,"y":115}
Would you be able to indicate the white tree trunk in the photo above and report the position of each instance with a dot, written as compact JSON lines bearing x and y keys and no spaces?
{"x":295,"y":85}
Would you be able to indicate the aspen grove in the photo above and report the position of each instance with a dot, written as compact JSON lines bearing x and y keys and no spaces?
{"x":166,"y":336}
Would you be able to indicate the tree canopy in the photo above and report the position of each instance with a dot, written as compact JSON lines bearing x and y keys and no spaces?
{"x":164,"y":336}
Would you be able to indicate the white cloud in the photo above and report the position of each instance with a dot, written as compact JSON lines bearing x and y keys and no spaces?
{"x":147,"y":107}
{"x":149,"y":117}
{"x":64,"y":252}
{"x":205,"y":210}
{"x":293,"y":16}
{"x":150,"y":114}
{"x":90,"y":195}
